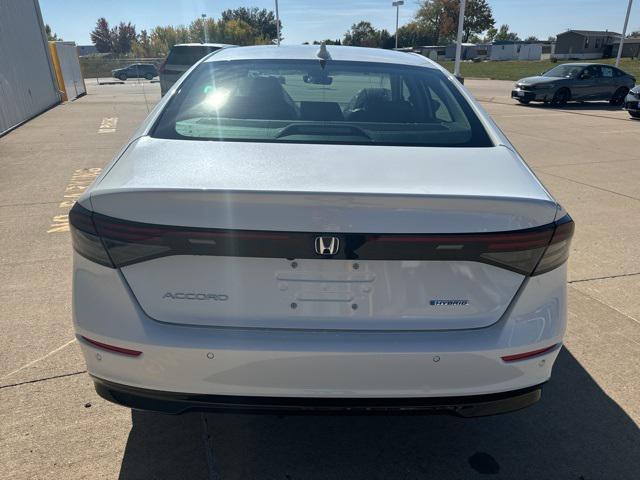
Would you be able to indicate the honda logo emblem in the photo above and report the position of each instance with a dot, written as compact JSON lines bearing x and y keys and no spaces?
{"x":327,"y":245}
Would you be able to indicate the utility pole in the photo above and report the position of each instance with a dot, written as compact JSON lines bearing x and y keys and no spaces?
{"x":624,"y":32}
{"x":277,"y":25}
{"x":204,"y":27}
{"x":456,"y":70}
{"x":397,"y":4}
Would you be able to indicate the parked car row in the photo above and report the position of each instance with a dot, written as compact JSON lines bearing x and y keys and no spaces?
{"x":580,"y":82}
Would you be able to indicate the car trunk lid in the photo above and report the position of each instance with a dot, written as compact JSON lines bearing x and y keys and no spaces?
{"x":252,"y":215}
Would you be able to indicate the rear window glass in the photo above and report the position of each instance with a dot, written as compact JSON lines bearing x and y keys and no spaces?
{"x":307,"y":102}
{"x":188,"y":55}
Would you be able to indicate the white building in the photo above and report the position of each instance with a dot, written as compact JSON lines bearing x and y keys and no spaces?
{"x":506,"y":50}
{"x":28,"y":84}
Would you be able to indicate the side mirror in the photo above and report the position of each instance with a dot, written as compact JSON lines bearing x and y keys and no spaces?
{"x":585,"y":76}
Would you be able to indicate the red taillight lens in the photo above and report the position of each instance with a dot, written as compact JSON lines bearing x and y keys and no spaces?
{"x":531,"y":354}
{"x":558,"y":250}
{"x":112,"y":348}
{"x":116,"y":243}
{"x":85,"y":238}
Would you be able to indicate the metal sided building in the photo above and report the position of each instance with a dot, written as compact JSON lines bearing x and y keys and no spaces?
{"x":28,"y":83}
{"x":66,"y":64}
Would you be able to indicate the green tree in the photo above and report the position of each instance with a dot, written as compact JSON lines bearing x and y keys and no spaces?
{"x":122,"y":38}
{"x":238,"y":32}
{"x":163,"y":38}
{"x":51,"y":36}
{"x":532,"y":38}
{"x":504,"y":34}
{"x":328,"y":41}
{"x":478,"y":18}
{"x":363,"y":34}
{"x":101,"y":36}
{"x":141,"y":47}
{"x":436,"y":18}
{"x":261,"y":21}
{"x":490,"y":35}
{"x":197,"y":30}
{"x":440,"y":19}
{"x":414,"y":34}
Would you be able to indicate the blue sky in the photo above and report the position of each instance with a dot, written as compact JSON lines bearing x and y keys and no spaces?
{"x":307,"y":20}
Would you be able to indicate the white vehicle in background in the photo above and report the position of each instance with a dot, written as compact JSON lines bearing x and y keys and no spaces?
{"x":308,"y":229}
{"x":632,"y":102}
{"x":181,"y":58}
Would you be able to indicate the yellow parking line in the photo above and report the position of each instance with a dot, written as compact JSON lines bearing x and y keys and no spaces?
{"x":80,"y":181}
{"x":108,"y":125}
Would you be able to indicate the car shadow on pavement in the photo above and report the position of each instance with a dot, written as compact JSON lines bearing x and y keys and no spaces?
{"x":578,"y":106}
{"x":575,"y":432}
{"x":165,"y":447}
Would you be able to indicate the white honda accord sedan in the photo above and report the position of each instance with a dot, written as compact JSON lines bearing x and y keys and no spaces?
{"x":304,"y":228}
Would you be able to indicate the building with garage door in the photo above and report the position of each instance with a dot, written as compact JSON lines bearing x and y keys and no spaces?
{"x":28,"y":84}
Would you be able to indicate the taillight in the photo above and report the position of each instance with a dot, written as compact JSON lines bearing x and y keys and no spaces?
{"x":85,"y":238}
{"x":558,"y":250}
{"x":161,"y":68}
{"x":116,"y":243}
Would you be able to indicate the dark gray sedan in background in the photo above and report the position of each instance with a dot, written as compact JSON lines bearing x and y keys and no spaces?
{"x":137,"y":70}
{"x":575,"y":81}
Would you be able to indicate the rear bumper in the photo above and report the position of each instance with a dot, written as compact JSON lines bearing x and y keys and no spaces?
{"x":176,"y":403}
{"x":217,"y":363}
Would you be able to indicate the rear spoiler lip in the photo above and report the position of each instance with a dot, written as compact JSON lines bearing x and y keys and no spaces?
{"x":169,"y":240}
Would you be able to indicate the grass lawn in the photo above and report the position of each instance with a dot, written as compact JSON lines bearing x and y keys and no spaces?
{"x":514,"y":70}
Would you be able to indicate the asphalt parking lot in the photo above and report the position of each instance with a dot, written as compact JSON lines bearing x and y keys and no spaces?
{"x":53,"y":424}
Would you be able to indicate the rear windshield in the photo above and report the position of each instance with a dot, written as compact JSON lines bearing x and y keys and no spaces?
{"x":188,"y":55}
{"x":309,"y":102}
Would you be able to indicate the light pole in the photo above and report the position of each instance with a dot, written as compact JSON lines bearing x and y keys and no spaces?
{"x":277,"y":25}
{"x":204,"y":27}
{"x":624,"y":32}
{"x":397,"y":4}
{"x":456,"y":70}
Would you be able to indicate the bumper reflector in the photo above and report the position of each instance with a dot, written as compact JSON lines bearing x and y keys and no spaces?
{"x":112,"y":348}
{"x":525,"y":355}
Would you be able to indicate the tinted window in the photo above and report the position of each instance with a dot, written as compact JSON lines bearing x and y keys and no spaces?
{"x":300,"y":101}
{"x":593,"y":71}
{"x":566,"y":71}
{"x":607,"y":72}
{"x":140,"y":68}
{"x":618,"y":73}
{"x":188,"y":55}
